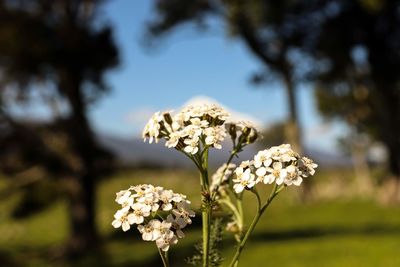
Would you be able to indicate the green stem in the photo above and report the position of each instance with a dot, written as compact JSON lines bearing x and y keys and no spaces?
{"x":205,"y":171}
{"x":193,"y":160}
{"x":206,"y":209}
{"x":260,"y":210}
{"x":214,"y":193}
{"x":240,"y":208}
{"x":164,"y":257}
{"x":206,"y":219}
{"x":234,"y":210}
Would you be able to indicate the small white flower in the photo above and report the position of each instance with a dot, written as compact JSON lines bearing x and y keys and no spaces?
{"x":179,"y":198}
{"x":122,"y":218}
{"x":166,"y":239}
{"x":243,"y":180}
{"x":283,"y":153}
{"x":150,"y":231}
{"x":177,"y":223}
{"x":214,"y":136}
{"x":183,"y":210}
{"x":277,"y":174}
{"x":308,"y":167}
{"x":140,"y":211}
{"x":193,"y":111}
{"x":166,"y":198}
{"x":199,"y":123}
{"x":150,"y":199}
{"x":293,"y":176}
{"x":173,"y":139}
{"x":176,"y":125}
{"x":289,"y":156}
{"x":261,"y":172}
{"x":164,"y":227}
{"x":239,"y":171}
{"x":141,"y":191}
{"x":216,"y":112}
{"x":152,"y":128}
{"x":192,"y":146}
{"x":124,"y":198}
{"x":192,"y":132}
{"x":262,"y":158}
{"x":246,"y":164}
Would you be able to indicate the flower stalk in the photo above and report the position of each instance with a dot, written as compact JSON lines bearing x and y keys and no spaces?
{"x":206,"y":215}
{"x":164,"y":257}
{"x":206,"y":220}
{"x":260,"y":210}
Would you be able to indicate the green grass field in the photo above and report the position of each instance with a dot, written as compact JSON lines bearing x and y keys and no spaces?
{"x":349,"y":231}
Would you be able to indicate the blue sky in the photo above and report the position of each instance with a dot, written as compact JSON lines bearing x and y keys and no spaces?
{"x":184,"y":65}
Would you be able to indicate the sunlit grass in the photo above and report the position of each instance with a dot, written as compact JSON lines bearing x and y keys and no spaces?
{"x":341,"y":232}
{"x":356,"y":250}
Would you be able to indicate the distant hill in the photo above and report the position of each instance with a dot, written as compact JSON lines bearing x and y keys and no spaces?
{"x":134,"y":152}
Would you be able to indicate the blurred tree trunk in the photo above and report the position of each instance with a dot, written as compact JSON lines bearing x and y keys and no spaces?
{"x":393,"y":144}
{"x":81,"y":187}
{"x":388,"y":112}
{"x":363,"y":181}
{"x":392,"y":187}
{"x":394,"y":163}
{"x":282,"y":67}
{"x":292,"y":131}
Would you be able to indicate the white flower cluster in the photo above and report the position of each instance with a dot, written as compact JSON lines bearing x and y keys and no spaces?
{"x":145,"y":205}
{"x":220,"y":179}
{"x":186,"y":129}
{"x":279,"y":164}
{"x":247,"y":131}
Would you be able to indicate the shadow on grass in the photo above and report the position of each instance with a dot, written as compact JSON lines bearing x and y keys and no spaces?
{"x":44,"y":257}
{"x":7,"y":259}
{"x":104,"y":256}
{"x":309,"y":233}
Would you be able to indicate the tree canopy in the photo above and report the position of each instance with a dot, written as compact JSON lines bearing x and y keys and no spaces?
{"x":61,"y":50}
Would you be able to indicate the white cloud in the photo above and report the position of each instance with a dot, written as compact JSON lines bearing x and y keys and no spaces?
{"x":139,"y":116}
{"x":319,"y":130}
{"x":323,"y":135}
{"x":234,"y":115}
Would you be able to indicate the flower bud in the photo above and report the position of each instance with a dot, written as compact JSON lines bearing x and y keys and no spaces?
{"x":231,"y":128}
{"x":246,"y":131}
{"x":252,"y":137}
{"x":208,"y":118}
{"x":167,"y":117}
{"x":180,"y":145}
{"x":218,"y":121}
{"x":162,"y":129}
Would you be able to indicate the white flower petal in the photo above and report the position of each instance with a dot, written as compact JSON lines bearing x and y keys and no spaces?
{"x":261,"y":171}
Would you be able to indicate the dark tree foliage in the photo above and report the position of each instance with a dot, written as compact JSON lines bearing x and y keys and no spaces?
{"x":273,"y":136}
{"x":56,"y":47}
{"x":362,"y":44}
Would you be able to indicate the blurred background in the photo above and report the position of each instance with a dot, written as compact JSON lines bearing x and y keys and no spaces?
{"x":79,"y":80}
